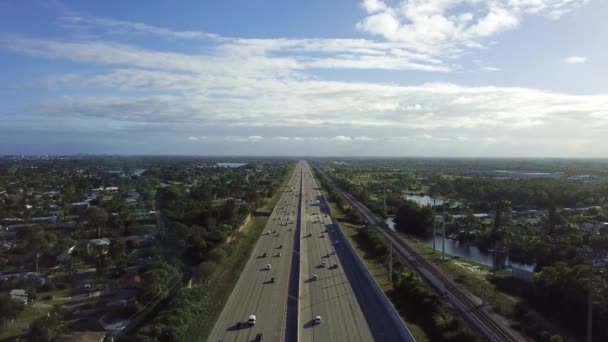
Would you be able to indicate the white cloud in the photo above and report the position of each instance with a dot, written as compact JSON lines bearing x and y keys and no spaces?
{"x":576,"y":60}
{"x":241,"y":139}
{"x":373,"y":6}
{"x":193,"y":138}
{"x":255,"y":138}
{"x":490,"y":69}
{"x":363,"y":138}
{"x":243,"y":90}
{"x":445,"y":27}
{"x":341,"y":138}
{"x":398,"y":139}
{"x":121,"y":27}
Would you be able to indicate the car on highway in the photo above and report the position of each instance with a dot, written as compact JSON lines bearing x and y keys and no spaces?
{"x":323,"y":264}
{"x":317,"y":319}
{"x":337,"y":242}
{"x":272,"y":280}
{"x":333,"y":253}
{"x":268,"y":266}
{"x":279,"y":254}
{"x":259,"y":337}
{"x":314,"y":277}
{"x":251,"y":320}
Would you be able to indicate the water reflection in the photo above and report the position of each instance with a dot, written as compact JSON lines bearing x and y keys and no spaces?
{"x":464,"y":251}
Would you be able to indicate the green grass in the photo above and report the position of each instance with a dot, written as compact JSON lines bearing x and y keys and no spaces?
{"x":22,"y":322}
{"x":477,"y":278}
{"x":270,"y":203}
{"x":375,"y":266}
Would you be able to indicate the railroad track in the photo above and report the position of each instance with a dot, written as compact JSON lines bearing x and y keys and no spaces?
{"x":478,"y":316}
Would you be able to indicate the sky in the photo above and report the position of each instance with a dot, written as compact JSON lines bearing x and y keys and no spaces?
{"x":444,"y":78}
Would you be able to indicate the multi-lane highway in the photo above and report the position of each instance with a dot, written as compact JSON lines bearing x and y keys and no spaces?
{"x":325,"y":290}
{"x":260,"y":291}
{"x":302,"y":283}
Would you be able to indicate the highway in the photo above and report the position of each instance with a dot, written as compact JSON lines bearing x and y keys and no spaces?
{"x":330,"y":295}
{"x":255,"y":293}
{"x":487,"y":324}
{"x":299,"y":237}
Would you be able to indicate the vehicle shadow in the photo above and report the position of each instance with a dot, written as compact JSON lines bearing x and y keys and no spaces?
{"x":237,"y":326}
{"x":310,"y":324}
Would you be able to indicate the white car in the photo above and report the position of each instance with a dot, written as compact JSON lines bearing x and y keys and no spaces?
{"x":317,"y":319}
{"x":251,"y":320}
{"x":268,"y":267}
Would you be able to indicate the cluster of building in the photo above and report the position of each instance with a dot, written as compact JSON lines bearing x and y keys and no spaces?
{"x":24,"y":271}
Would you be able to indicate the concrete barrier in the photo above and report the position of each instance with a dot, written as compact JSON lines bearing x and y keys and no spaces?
{"x":404,"y":333}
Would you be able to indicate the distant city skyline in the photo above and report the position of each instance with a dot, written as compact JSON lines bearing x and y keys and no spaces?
{"x":433,"y":78}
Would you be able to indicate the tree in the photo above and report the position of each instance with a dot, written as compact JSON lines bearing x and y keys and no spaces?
{"x":36,"y":240}
{"x":156,"y":279}
{"x":9,"y":308}
{"x":45,"y":329}
{"x":414,"y":219}
{"x":206,"y":269}
{"x":117,"y":255}
{"x":96,"y":217}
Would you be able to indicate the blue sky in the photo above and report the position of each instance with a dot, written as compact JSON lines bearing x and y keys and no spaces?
{"x":389,"y":78}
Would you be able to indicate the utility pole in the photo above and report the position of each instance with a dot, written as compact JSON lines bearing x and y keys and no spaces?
{"x":384,"y":197}
{"x":590,"y":297}
{"x":390,"y":263}
{"x":590,"y":313}
{"x":443,"y":236}
{"x":434,"y":224}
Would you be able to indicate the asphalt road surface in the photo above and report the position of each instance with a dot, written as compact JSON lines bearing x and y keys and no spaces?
{"x":330,"y":295}
{"x":255,"y":293}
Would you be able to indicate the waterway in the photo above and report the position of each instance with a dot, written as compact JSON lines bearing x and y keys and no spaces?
{"x":469,"y":252}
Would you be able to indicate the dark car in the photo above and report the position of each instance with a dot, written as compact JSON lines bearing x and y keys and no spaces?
{"x":259,"y":337}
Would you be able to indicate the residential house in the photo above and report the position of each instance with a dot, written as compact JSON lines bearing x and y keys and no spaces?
{"x":19,"y":294}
